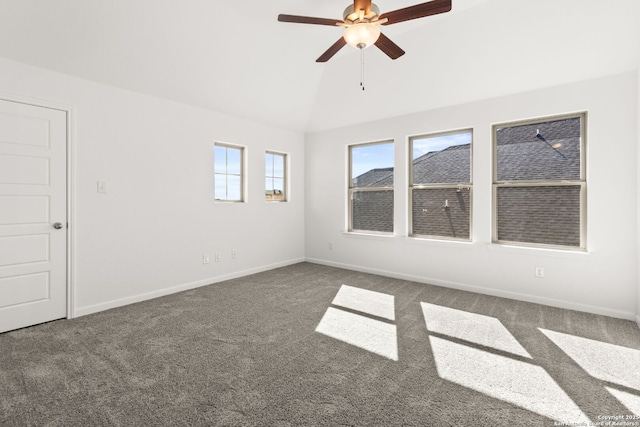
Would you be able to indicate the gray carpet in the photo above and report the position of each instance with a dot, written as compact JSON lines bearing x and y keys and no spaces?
{"x":246,"y":352}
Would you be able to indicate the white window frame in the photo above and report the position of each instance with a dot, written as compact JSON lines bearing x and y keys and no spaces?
{"x":352,"y":191}
{"x":285,"y":176}
{"x":460,"y":186}
{"x":582,"y":182}
{"x":226,"y":174}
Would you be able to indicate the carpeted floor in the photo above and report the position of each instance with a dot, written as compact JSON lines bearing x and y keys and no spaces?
{"x":294,"y":347}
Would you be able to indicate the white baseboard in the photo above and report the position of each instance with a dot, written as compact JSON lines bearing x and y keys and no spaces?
{"x":83,"y":311}
{"x":569,"y":305}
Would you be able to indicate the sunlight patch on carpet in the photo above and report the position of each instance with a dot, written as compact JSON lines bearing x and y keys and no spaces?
{"x":476,"y":328}
{"x":604,"y":361}
{"x":630,"y":401}
{"x":523,"y":384}
{"x":369,"y":334}
{"x":366,"y":301}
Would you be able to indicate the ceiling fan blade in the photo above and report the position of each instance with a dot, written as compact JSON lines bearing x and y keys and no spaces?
{"x":362,"y":4}
{"x":417,"y":11}
{"x":308,"y":20}
{"x":392,"y":50}
{"x":332,"y":50}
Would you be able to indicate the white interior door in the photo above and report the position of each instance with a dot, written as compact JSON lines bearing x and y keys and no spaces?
{"x":33,"y":215}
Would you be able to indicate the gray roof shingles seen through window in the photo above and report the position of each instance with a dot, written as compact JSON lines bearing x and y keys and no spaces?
{"x":449,"y":166}
{"x":542,"y":151}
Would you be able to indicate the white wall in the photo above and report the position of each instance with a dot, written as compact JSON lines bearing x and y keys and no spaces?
{"x":147,"y":235}
{"x":638,"y":171}
{"x":603,"y":280}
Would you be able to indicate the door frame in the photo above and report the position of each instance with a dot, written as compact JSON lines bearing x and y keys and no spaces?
{"x":71,"y":183}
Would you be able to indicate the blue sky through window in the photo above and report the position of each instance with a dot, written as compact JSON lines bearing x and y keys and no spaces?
{"x":422,"y":146}
{"x":371,"y":156}
{"x":227,"y":173}
{"x":274,"y":173}
{"x":375,"y":156}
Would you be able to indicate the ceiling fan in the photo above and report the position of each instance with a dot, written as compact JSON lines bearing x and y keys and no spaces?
{"x":362,"y":20}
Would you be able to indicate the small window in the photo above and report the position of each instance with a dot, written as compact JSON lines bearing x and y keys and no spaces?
{"x":539,"y":185}
{"x":275,"y":166}
{"x":228,"y":173}
{"x":440,"y":189}
{"x":371,"y":188}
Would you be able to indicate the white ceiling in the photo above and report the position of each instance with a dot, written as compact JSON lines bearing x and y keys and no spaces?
{"x":234,"y":57}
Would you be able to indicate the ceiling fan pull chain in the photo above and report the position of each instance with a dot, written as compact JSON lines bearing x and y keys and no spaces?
{"x":362,"y":68}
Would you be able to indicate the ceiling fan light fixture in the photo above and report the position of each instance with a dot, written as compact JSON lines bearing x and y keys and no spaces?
{"x":361,"y":35}
{"x":361,"y":20}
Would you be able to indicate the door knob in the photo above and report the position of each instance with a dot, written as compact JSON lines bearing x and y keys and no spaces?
{"x":57,"y":225}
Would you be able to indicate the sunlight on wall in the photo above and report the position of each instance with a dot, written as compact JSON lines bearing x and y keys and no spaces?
{"x":631,"y":401}
{"x":476,"y":328}
{"x":607,"y":362}
{"x":370,"y":302}
{"x":523,"y":384}
{"x":369,"y":334}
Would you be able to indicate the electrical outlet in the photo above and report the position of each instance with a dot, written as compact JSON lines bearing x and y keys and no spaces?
{"x":330,"y":246}
{"x":539,"y":272}
{"x":217,"y":258}
{"x":205,"y":259}
{"x":102,"y":187}
{"x":234,"y":254}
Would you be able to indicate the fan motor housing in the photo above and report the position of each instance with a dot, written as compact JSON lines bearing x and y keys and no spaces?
{"x":351,"y":15}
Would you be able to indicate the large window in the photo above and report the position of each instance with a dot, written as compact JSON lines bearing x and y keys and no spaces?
{"x":371,"y":187}
{"x":275,"y":165}
{"x":228,"y":172}
{"x":539,"y":185}
{"x":440,"y":187}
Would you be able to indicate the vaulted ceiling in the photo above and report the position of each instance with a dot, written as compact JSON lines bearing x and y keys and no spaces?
{"x":235,"y":57}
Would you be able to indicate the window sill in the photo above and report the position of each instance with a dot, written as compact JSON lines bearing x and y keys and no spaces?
{"x":367,"y":236}
{"x":445,"y":243}
{"x":538,"y":251}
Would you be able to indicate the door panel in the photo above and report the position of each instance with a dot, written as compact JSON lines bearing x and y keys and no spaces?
{"x":16,"y":210}
{"x":24,"y":170}
{"x":16,"y":250}
{"x":33,"y":196}
{"x":24,"y":289}
{"x":15,"y":129}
